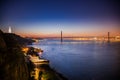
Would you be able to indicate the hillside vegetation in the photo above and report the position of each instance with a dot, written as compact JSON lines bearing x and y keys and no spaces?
{"x":12,"y":62}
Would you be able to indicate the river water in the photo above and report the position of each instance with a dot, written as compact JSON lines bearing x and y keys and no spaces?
{"x":83,"y":60}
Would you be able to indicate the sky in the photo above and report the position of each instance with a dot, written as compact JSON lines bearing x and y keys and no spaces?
{"x":46,"y":18}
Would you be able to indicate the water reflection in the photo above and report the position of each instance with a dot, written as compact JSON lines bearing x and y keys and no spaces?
{"x":83,"y":60}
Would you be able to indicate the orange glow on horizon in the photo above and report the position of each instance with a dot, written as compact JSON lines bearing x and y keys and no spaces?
{"x":112,"y":34}
{"x":74,"y":30}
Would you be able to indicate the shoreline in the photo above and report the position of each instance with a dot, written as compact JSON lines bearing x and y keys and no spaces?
{"x":40,"y":70}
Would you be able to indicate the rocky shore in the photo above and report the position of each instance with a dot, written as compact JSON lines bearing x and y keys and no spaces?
{"x":39,"y":68}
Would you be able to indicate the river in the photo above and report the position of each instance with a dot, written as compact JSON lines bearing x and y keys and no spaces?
{"x":83,"y":60}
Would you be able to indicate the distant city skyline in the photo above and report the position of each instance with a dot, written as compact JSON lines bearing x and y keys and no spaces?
{"x":46,"y":18}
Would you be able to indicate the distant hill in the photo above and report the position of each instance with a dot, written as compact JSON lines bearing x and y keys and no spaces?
{"x":16,"y":39}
